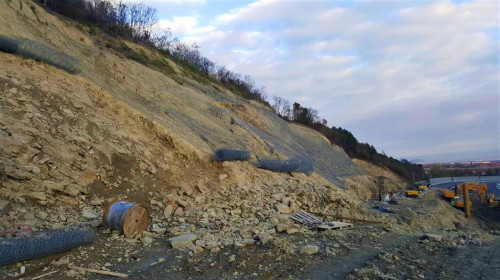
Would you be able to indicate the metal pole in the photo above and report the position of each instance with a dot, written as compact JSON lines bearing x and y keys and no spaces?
{"x":466,"y":201}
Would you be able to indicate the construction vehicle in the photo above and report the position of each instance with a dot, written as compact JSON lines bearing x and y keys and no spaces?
{"x":412,"y":193}
{"x":423,"y":188}
{"x":482,"y":192}
{"x":492,"y":202}
{"x":448,"y":193}
{"x":455,"y":191}
{"x":488,"y":199}
{"x":459,"y":202}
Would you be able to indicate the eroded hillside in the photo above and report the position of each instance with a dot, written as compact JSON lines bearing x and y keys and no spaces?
{"x":120,"y":129}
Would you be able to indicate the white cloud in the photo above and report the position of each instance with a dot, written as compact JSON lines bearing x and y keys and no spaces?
{"x":398,"y":71}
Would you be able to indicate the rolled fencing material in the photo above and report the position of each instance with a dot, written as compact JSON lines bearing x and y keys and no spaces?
{"x":126,"y":217}
{"x":289,"y":165}
{"x":230,"y":154}
{"x":306,"y":166}
{"x":38,"y":51}
{"x":8,"y":44}
{"x":42,"y":244}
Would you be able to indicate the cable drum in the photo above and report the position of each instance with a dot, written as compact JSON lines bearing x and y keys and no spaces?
{"x":126,"y":217}
{"x":230,"y":154}
{"x":42,"y":244}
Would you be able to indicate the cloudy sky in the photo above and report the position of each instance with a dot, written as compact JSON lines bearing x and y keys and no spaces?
{"x":416,"y":79}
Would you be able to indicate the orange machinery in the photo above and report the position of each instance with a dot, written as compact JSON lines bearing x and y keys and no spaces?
{"x":451,"y":193}
{"x":491,"y":200}
{"x":412,"y":193}
{"x":458,"y":201}
{"x":448,"y":193}
{"x":485,"y":198}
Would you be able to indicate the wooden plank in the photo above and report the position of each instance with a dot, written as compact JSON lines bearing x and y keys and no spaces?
{"x":43,"y":275}
{"x":104,"y":272}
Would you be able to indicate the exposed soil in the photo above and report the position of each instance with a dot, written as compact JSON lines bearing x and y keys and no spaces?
{"x":70,"y":144}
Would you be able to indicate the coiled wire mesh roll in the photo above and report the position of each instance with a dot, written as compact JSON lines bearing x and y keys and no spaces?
{"x":230,"y":154}
{"x":289,"y":165}
{"x":43,"y":243}
{"x":38,"y":51}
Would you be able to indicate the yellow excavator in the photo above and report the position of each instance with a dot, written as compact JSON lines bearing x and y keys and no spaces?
{"x":457,"y":199}
{"x":485,"y":198}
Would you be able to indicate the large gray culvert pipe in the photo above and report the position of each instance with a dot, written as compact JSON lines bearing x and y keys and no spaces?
{"x":42,"y":244}
{"x":229,"y":154}
{"x":38,"y":51}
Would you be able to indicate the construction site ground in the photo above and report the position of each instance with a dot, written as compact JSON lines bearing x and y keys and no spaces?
{"x":71,"y":144}
{"x":400,"y":249}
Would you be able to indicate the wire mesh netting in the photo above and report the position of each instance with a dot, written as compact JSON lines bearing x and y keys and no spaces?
{"x":8,"y":44}
{"x":198,"y":112}
{"x":43,"y":243}
{"x":187,"y":113}
{"x":230,"y":154}
{"x":38,"y":51}
{"x":290,"y":165}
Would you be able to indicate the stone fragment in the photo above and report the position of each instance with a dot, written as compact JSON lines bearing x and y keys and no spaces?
{"x":265,"y":238}
{"x":146,"y":240}
{"x":433,"y":237}
{"x":16,"y":173}
{"x":168,"y":211}
{"x":282,"y":227}
{"x":35,"y":170}
{"x":309,"y":249}
{"x":283,"y":208}
{"x":407,"y":215}
{"x":38,"y":195}
{"x":3,"y":205}
{"x":89,"y":214}
{"x":71,"y":190}
{"x":195,"y":249}
{"x":182,"y":241}
{"x":56,"y":175}
{"x":42,"y":215}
